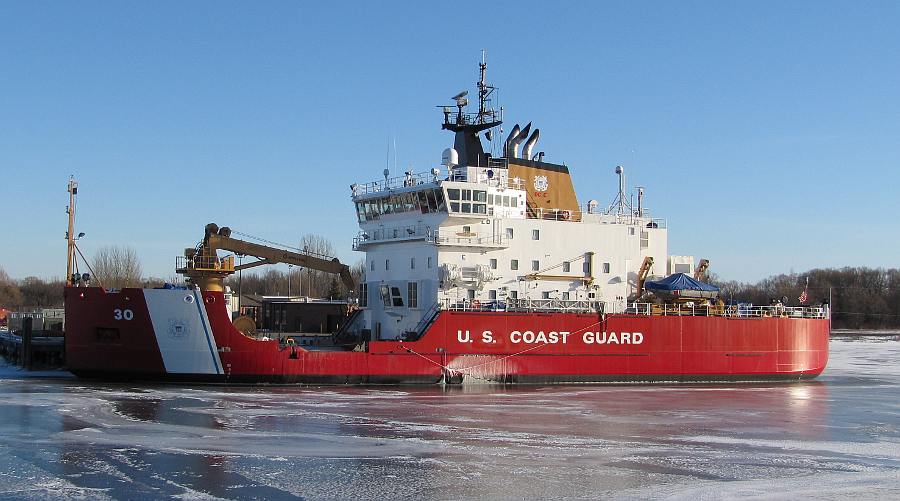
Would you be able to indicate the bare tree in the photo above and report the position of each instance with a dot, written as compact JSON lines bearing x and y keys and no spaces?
{"x":10,"y":295}
{"x":117,"y":267}
{"x":316,"y":283}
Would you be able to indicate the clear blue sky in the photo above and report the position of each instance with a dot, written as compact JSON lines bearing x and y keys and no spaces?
{"x":767,"y":133}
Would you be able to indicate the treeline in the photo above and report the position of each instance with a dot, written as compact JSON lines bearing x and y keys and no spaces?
{"x":294,"y":282}
{"x":861,"y":298}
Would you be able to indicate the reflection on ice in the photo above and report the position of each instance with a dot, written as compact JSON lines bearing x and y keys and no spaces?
{"x":834,"y":436}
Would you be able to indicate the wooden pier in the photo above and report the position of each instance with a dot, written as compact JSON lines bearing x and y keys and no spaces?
{"x":33,"y":350}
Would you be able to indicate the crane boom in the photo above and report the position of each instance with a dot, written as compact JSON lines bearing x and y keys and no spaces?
{"x":204,"y":268}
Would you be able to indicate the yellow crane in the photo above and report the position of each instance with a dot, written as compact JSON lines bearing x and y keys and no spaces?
{"x":700,"y":272}
{"x":642,"y":277}
{"x":203,"y":267}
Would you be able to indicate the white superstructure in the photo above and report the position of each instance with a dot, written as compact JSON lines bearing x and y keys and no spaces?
{"x":495,"y":233}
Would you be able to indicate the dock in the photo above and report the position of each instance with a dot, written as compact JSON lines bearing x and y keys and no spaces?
{"x":33,"y":349}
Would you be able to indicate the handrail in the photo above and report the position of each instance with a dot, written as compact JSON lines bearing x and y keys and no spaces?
{"x":732,"y":311}
{"x":523,"y":305}
{"x":382,"y":234}
{"x":447,"y":237}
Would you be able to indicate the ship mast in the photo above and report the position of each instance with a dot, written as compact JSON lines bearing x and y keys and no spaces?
{"x":70,"y":235}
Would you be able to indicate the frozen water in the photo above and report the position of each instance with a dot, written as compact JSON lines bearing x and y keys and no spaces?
{"x":832,"y":438}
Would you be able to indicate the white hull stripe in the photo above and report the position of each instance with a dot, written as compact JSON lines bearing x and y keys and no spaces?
{"x":182,"y":331}
{"x":207,"y":330}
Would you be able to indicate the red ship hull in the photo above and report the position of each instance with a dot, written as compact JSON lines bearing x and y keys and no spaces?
{"x":186,"y":335}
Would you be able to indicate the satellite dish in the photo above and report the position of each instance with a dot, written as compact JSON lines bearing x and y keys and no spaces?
{"x":460,"y":95}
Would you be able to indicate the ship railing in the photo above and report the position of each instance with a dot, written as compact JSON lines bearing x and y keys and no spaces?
{"x":524,"y":305}
{"x":205,"y":263}
{"x":466,"y":238}
{"x":730,"y":311}
{"x":394,"y":233}
{"x":392,"y":183}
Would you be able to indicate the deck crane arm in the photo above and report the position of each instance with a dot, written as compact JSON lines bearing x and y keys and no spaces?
{"x":642,"y":277}
{"x":700,"y":272}
{"x":204,"y":261}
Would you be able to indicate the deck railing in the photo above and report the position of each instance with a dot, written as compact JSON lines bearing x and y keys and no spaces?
{"x":732,"y":311}
{"x":646,"y":309}
{"x":524,"y":305}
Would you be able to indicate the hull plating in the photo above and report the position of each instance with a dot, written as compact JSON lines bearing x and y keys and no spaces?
{"x":182,"y":335}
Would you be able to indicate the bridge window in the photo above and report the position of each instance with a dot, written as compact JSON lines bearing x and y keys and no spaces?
{"x":514,"y":264}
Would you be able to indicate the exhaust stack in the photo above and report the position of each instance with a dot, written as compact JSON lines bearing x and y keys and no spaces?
{"x":509,"y":140}
{"x":529,"y":145}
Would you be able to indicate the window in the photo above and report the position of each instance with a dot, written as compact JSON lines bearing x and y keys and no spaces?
{"x":387,"y":264}
{"x":372,"y":265}
{"x":514,"y":294}
{"x":535,"y":265}
{"x":645,"y":239}
{"x":429,"y":262}
{"x":396,"y":299}
{"x":631,"y":230}
{"x":470,"y":293}
{"x":566,"y":266}
{"x":545,"y":295}
{"x":491,"y":199}
{"x":605,"y":267}
{"x":467,"y":207}
{"x":363,"y":295}
{"x":535,"y":234}
{"x":514,"y":264}
{"x":467,"y":194}
{"x":412,"y":263}
{"x":509,"y":233}
{"x":467,"y":229}
{"x":514,"y":202}
{"x":412,"y":294}
{"x":492,"y":294}
{"x":453,"y":193}
{"x":480,"y":196}
{"x":385,"y":295}
{"x":565,"y":296}
{"x":493,"y":264}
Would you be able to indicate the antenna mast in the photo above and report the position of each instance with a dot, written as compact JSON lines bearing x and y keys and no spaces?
{"x":70,"y":235}
{"x":484,"y":91}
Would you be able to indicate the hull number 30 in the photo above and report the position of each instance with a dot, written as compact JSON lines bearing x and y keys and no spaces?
{"x":125,"y":314}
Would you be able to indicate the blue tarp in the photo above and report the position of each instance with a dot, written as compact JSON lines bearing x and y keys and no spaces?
{"x":679,"y":282}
